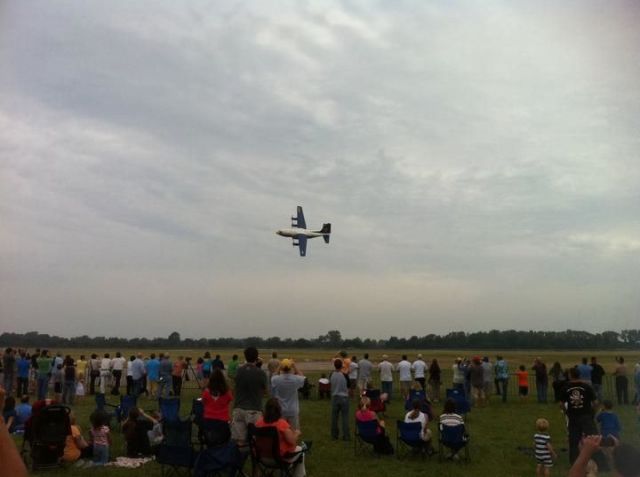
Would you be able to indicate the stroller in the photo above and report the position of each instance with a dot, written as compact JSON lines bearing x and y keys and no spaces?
{"x":46,"y":434}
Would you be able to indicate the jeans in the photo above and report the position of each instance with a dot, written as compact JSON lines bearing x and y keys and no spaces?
{"x":541,"y":388}
{"x":387,"y":387}
{"x":503,"y":385}
{"x":622,"y":389}
{"x":340,"y":405}
{"x":165,"y":384}
{"x":43,"y":387}
{"x":117,"y":375}
{"x":579,"y":426}
{"x":23,"y":386}
{"x":137,"y":387}
{"x":597,"y":388}
{"x":68,"y":392}
{"x":100,"y":454}
{"x":8,"y":382}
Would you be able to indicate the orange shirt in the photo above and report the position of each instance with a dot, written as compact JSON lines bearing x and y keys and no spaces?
{"x":523,"y":378}
{"x":71,"y":449}
{"x":281,"y":425}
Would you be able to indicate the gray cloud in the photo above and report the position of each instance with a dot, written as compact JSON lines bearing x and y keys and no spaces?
{"x":478,"y":163}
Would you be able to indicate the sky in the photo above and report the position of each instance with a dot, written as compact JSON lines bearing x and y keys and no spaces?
{"x":479,"y":162}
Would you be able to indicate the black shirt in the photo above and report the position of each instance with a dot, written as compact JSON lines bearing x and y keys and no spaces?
{"x":578,"y":397}
{"x":597,"y":372}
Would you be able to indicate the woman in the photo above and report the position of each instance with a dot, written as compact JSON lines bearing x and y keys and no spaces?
{"x":135,"y":430}
{"x":416,"y":415}
{"x":216,"y":399}
{"x":435,"y":375}
{"x":364,"y":414}
{"x":287,"y":437}
{"x":75,"y":446}
{"x":559,"y":378}
{"x":449,"y":417}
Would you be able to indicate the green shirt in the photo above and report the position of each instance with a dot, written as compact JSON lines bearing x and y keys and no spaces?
{"x":44,"y":367}
{"x":232,"y":368}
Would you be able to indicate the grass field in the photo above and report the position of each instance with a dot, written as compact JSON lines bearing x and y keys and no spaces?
{"x":497,"y":431}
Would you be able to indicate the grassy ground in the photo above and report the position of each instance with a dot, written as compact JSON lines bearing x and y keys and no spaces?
{"x":497,"y":432}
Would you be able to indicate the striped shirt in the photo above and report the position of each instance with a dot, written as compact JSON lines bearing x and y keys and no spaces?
{"x":542,"y":452}
{"x":451,"y":419}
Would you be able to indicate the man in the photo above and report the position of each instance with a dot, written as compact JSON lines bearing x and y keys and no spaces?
{"x":353,"y":376}
{"x":597,"y":372}
{"x":386,"y":376}
{"x":476,"y":379}
{"x":487,"y":376}
{"x":43,"y":365}
{"x":105,"y":372}
{"x":117,"y":367}
{"x":542,"y":379}
{"x":340,"y":401}
{"x":364,"y":372}
{"x":502,"y":377}
{"x":578,"y":401}
{"x":177,"y":371}
{"x":23,"y":366}
{"x":165,"y":376}
{"x":585,"y":371}
{"x":217,"y":363}
{"x":9,"y":365}
{"x":251,"y":386}
{"x":153,"y":375}
{"x":272,"y":368}
{"x":404,"y":375}
{"x":137,"y":374}
{"x":457,"y":373}
{"x":418,"y":367}
{"x":233,"y":367}
{"x":285,"y":387}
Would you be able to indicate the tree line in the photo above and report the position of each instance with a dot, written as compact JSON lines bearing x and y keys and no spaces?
{"x":494,"y":339}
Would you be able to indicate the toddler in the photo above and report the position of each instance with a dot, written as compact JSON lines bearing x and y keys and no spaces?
{"x":523,"y":382}
{"x":608,"y":421}
{"x":101,"y":437}
{"x":543,"y":450}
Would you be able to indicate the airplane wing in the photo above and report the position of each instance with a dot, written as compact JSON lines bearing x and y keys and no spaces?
{"x":300,"y":219}
{"x":302,"y":245}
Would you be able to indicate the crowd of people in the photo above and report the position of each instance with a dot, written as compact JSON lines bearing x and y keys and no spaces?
{"x":233,"y":396}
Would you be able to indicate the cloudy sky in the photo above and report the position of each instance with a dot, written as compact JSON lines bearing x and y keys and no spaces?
{"x":479,"y":162}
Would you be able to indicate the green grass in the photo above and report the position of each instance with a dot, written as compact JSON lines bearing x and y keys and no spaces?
{"x":496,"y":433}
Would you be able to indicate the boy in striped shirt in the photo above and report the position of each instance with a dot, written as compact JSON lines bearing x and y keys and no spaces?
{"x":543,"y":450}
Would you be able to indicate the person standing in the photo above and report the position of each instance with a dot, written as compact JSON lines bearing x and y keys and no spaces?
{"x":105,"y":372}
{"x":117,"y":367}
{"x":152,"y":367}
{"x":9,"y":365}
{"x":251,"y":386}
{"x":404,"y":376}
{"x":579,"y":402}
{"x":43,"y":364}
{"x":476,"y":378}
{"x":137,"y":375}
{"x":435,"y":380}
{"x":502,"y":377}
{"x":542,"y":379}
{"x":81,"y":369}
{"x":23,"y":367}
{"x":177,"y":371}
{"x":487,"y":376}
{"x":340,"y":401}
{"x":418,"y":367}
{"x":457,"y":373}
{"x":285,"y":385}
{"x":353,"y":376}
{"x":69,"y":380}
{"x":364,"y":372}
{"x":272,"y":368}
{"x":233,"y":367}
{"x":165,"y":376}
{"x":386,"y":376}
{"x":622,"y":382}
{"x":585,"y":370}
{"x":559,"y":377}
{"x":597,"y":372}
{"x":94,"y":373}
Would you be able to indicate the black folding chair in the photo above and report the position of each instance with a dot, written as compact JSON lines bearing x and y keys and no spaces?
{"x":264,"y":446}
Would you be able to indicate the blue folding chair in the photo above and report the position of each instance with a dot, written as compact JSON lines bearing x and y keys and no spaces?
{"x":365,"y":435}
{"x":105,"y":407}
{"x":462,"y":404}
{"x":175,"y":454}
{"x":454,"y":438}
{"x":220,"y":461}
{"x":169,"y":408}
{"x":127,"y":402}
{"x":408,"y":439}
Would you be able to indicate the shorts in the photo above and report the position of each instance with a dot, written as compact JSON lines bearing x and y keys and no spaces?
{"x":352,"y":383}
{"x":405,"y":387}
{"x":240,"y":419}
{"x":546,"y":461}
{"x":477,"y":392}
{"x":523,"y":390}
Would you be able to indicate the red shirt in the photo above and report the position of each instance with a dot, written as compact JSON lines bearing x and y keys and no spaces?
{"x":216,"y":407}
{"x":282,"y":426}
{"x":368,"y":415}
{"x":523,"y":378}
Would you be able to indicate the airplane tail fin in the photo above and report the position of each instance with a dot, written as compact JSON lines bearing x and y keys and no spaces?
{"x":325,"y":231}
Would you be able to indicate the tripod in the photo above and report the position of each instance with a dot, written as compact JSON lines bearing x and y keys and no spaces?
{"x":189,"y":375}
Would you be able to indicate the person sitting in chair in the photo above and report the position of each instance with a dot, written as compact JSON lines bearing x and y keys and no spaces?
{"x":416,"y":415}
{"x":288,"y":438}
{"x":135,"y":430}
{"x":216,"y":399}
{"x":364,"y":414}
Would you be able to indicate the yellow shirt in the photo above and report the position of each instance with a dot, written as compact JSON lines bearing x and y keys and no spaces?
{"x":81,"y":368}
{"x":71,"y":449}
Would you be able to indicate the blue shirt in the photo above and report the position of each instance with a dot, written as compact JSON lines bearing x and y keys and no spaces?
{"x":23,"y":412}
{"x":23,"y":367}
{"x":153,"y":369}
{"x":609,"y":424}
{"x":585,"y":372}
{"x":137,"y":369}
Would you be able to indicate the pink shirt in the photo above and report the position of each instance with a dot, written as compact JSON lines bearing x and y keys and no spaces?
{"x":100,"y":436}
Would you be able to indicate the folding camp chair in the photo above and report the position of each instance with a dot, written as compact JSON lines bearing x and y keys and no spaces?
{"x":462,"y":404}
{"x":408,"y":439}
{"x":264,"y":446}
{"x":127,"y":402}
{"x":454,"y":438}
{"x":376,"y":405}
{"x":169,"y":408}
{"x":220,"y":461}
{"x":175,"y":454}
{"x":365,"y":435}
{"x":46,"y":436}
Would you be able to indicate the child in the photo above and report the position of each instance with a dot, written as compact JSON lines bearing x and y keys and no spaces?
{"x":80,"y":390}
{"x":543,"y":450}
{"x":608,"y":420}
{"x":100,"y":436}
{"x":523,"y":382}
{"x":324,"y":387}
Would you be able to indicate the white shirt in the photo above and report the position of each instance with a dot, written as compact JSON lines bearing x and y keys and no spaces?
{"x":353,"y":370}
{"x":418,"y":367}
{"x":117,"y":364}
{"x":105,"y":364}
{"x":422,"y":419}
{"x":386,"y":371}
{"x":404,"y":370}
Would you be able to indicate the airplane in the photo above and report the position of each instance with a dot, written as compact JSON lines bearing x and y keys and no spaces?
{"x":299,"y":232}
